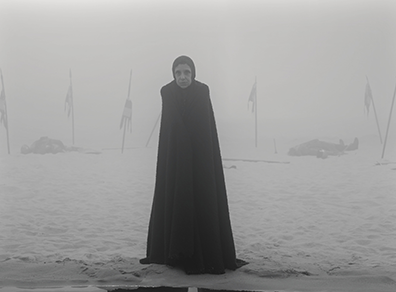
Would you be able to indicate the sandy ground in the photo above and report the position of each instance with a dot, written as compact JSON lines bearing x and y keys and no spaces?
{"x":79,"y":221}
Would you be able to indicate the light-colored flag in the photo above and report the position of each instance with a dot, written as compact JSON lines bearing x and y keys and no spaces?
{"x":3,"y":108}
{"x":253,"y":97}
{"x":126,"y":119}
{"x":368,"y":96}
{"x":69,"y":101}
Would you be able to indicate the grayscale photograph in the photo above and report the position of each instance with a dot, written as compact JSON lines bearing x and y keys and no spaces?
{"x":197,"y":145}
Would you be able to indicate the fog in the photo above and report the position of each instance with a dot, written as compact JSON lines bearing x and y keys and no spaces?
{"x":310,"y":58}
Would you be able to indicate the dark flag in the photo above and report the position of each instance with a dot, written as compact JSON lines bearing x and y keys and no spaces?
{"x":3,"y":111}
{"x":126,"y":119}
{"x":69,"y":103}
{"x":253,"y":97}
{"x":3,"y":108}
{"x":368,"y":100}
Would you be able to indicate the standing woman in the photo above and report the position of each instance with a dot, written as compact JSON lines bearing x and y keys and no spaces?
{"x":189,"y":223}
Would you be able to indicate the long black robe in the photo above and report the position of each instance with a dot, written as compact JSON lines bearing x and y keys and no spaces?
{"x":190,"y":223}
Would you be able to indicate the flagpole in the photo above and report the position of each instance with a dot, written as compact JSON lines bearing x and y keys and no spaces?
{"x":129,"y":92}
{"x":387,"y":128}
{"x":123,"y":140}
{"x":72,"y":104}
{"x":375,"y":113}
{"x":6,"y":114}
{"x":255,"y":113}
{"x":152,"y":131}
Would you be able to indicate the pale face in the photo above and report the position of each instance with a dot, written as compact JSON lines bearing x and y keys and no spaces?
{"x":183,"y":75}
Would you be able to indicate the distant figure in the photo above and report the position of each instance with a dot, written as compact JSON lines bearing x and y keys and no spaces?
{"x":190,"y":223}
{"x":322,"y":149}
{"x":46,"y":145}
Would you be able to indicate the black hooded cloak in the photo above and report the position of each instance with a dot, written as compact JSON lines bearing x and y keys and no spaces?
{"x":190,"y":223}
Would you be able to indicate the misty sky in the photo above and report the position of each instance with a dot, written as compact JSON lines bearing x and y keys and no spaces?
{"x":310,"y":58}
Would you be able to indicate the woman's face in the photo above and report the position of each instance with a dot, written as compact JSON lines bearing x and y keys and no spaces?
{"x":183,"y":75}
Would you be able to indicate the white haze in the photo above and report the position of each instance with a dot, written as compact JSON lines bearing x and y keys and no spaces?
{"x":310,"y":58}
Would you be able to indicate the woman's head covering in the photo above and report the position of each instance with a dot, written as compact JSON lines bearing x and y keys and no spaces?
{"x":184,"y":60}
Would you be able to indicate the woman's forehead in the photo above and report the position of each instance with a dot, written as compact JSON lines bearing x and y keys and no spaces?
{"x":182,"y":67}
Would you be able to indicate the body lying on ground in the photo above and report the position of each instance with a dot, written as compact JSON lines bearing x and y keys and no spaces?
{"x":322,"y":149}
{"x":46,"y":145}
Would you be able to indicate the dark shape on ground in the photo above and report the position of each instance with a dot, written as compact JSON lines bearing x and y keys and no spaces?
{"x":46,"y":145}
{"x":322,"y":149}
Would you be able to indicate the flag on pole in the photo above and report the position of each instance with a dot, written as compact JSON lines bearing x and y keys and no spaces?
{"x":3,"y":111}
{"x":368,"y":100}
{"x":69,"y":101}
{"x":3,"y":107}
{"x":126,"y":119}
{"x":69,"y":104}
{"x":253,"y":97}
{"x":368,"y":97}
